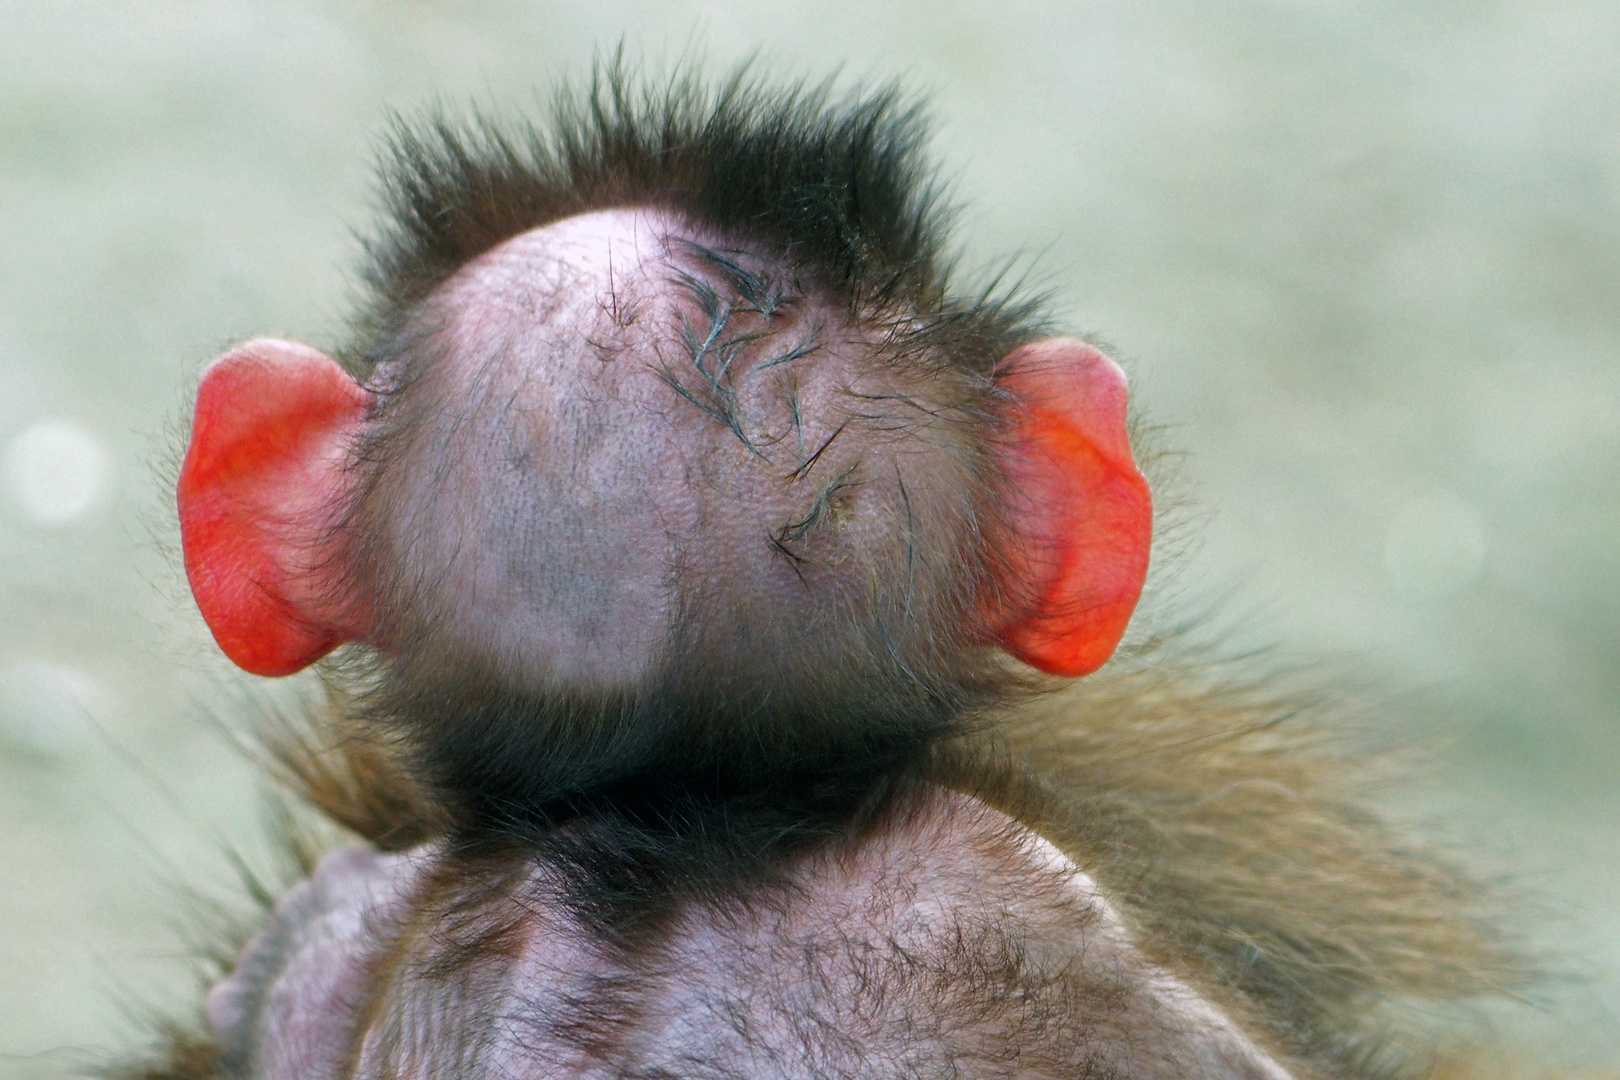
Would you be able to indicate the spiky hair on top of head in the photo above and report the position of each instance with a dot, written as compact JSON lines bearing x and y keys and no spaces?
{"x":837,"y":185}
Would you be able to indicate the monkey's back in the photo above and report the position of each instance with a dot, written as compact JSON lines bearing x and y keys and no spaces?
{"x":949,"y":942}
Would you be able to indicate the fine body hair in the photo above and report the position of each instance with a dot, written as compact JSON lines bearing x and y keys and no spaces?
{"x":1232,"y":840}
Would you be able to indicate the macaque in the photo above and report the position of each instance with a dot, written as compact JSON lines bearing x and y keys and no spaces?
{"x":714,"y":598}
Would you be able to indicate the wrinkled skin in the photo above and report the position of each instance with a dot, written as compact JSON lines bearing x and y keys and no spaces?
{"x":955,"y":943}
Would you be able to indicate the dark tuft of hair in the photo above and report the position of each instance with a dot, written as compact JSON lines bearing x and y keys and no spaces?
{"x":837,"y":185}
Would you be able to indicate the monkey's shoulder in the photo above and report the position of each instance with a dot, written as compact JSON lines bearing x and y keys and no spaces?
{"x":948,"y":937}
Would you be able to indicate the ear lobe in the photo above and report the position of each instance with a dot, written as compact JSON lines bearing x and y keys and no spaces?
{"x":1081,"y":514}
{"x":263,"y":481}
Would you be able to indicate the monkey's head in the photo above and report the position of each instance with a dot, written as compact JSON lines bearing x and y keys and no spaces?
{"x":666,"y":446}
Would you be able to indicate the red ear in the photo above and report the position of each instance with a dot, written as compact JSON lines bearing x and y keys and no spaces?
{"x":1082,"y":515}
{"x":263,"y":478}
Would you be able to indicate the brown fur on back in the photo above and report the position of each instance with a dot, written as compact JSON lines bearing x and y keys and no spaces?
{"x":182,"y":1053}
{"x":1236,"y":827}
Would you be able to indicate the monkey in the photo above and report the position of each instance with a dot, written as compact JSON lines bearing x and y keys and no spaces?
{"x":721,"y":613}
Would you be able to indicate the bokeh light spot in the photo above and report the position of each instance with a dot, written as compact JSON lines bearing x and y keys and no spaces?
{"x":56,"y":471}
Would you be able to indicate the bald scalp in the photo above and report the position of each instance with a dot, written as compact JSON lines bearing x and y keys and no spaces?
{"x":616,"y":441}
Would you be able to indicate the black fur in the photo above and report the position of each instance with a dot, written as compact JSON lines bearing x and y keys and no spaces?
{"x":837,"y":188}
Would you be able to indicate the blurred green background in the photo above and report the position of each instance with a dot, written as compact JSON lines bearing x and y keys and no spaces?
{"x":1364,"y":260}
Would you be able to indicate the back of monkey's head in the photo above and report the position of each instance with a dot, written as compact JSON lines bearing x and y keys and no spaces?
{"x":667,"y":454}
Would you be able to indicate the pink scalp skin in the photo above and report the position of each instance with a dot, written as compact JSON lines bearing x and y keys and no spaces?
{"x":559,"y":349}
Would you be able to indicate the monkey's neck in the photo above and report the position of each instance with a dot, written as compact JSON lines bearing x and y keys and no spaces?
{"x":630,"y":855}
{"x":672,"y":770}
